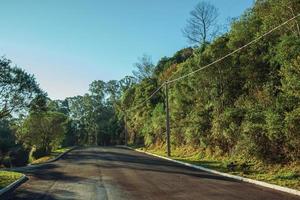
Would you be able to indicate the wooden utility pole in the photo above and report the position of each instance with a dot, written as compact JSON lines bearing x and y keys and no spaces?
{"x":168,"y":121}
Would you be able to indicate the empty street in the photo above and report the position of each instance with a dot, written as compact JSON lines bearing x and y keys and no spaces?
{"x":119,"y":173}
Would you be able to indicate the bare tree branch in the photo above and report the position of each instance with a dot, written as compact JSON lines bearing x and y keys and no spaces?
{"x":201,"y":26}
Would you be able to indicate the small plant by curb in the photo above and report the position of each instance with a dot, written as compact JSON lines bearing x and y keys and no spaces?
{"x":9,"y":182}
{"x":48,"y":159}
{"x":7,"y":177}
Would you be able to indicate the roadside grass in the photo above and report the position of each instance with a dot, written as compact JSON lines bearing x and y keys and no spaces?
{"x":52,"y":155}
{"x":7,"y":178}
{"x":284,"y":175}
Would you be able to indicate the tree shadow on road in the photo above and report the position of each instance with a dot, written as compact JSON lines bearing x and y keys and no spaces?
{"x":137,"y":161}
{"x":30,"y":195}
{"x":49,"y":172}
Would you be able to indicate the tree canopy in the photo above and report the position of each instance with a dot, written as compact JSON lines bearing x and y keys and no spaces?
{"x":17,"y":88}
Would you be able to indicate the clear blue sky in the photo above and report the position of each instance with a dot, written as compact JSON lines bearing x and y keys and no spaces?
{"x":69,"y":43}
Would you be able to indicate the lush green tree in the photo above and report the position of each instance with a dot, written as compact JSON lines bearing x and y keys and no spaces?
{"x":43,"y":130}
{"x":143,"y":68}
{"x":7,"y":139}
{"x":17,"y":89}
{"x":291,"y":89}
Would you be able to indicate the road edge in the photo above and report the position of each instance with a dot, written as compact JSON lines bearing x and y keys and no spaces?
{"x":54,"y":159}
{"x":30,"y":166}
{"x":247,"y":180}
{"x":62,"y":154}
{"x":11,"y":187}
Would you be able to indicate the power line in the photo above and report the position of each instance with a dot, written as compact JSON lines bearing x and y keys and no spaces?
{"x":140,"y":104}
{"x":214,"y":62}
{"x":233,"y":52}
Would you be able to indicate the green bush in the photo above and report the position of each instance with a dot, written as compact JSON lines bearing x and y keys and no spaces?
{"x":293,"y":134}
{"x":40,"y":152}
{"x":19,"y":156}
{"x":7,"y":162}
{"x":226,"y":129}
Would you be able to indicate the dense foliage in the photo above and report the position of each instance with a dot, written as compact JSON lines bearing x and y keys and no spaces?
{"x":246,"y":105}
{"x":17,"y":89}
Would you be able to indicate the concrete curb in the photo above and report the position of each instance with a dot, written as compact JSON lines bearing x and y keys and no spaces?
{"x":247,"y":180}
{"x":31,"y":166}
{"x":56,"y":158}
{"x":12,"y":186}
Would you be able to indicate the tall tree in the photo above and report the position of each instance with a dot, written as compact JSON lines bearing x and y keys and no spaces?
{"x":144,"y":68}
{"x":44,"y":130}
{"x":202,"y":25}
{"x":113,"y":90}
{"x":17,"y":88}
{"x":126,"y":83}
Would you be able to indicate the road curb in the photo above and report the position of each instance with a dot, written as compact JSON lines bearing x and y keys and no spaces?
{"x":12,"y":186}
{"x":56,"y":158}
{"x":247,"y":180}
{"x":61,"y":155}
{"x":30,"y":166}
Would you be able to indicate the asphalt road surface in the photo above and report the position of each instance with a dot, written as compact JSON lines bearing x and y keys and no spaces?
{"x":117,"y":173}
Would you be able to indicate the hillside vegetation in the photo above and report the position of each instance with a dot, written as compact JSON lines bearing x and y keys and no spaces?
{"x":247,"y":105}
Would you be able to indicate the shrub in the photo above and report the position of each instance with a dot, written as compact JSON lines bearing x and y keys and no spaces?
{"x":293,"y":134}
{"x":7,"y":162}
{"x":40,"y":152}
{"x":19,"y":156}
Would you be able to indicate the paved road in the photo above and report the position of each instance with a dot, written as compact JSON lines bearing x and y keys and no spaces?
{"x":116,"y":173}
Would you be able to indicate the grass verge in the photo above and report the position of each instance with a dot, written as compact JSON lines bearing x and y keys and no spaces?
{"x":284,"y":175}
{"x":6,"y":178}
{"x":52,"y":155}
